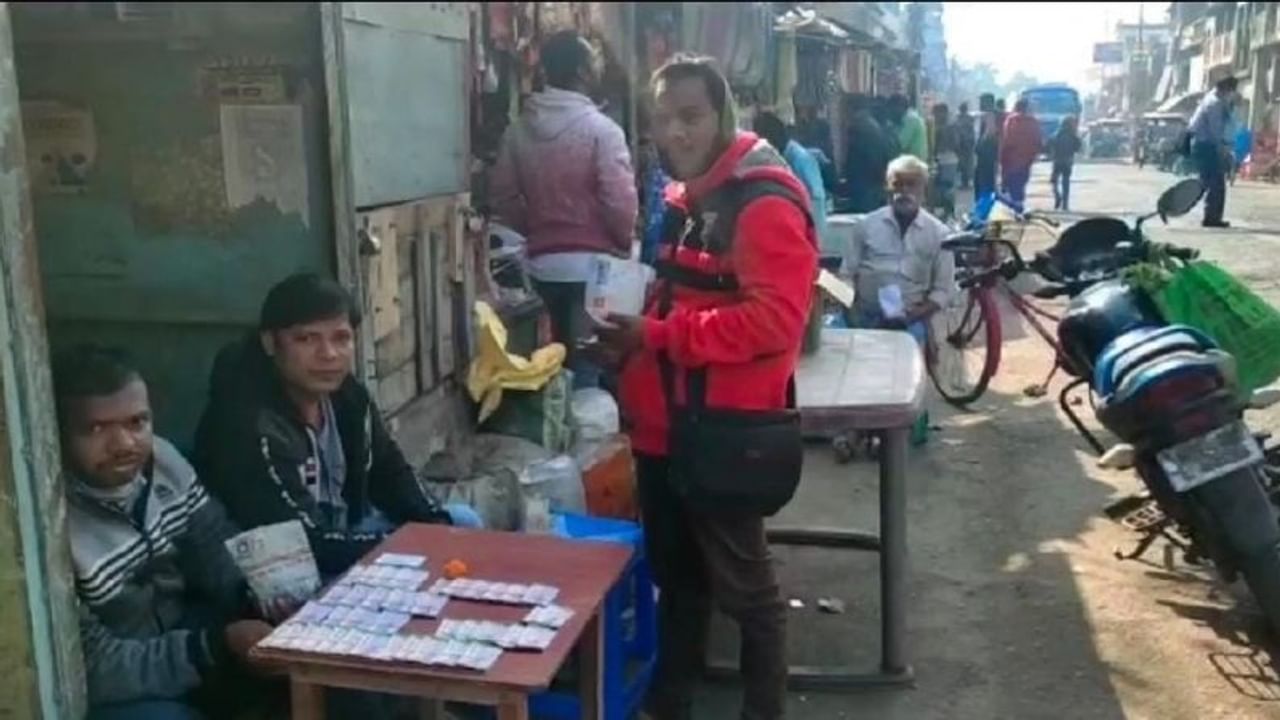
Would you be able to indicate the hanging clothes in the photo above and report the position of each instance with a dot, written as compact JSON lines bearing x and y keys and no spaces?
{"x":660,"y":40}
{"x":787,"y":77}
{"x":737,"y":35}
{"x":814,"y":74}
{"x":749,"y":62}
{"x":556,"y":16}
{"x":502,"y":25}
{"x":709,"y":29}
{"x":853,"y":73}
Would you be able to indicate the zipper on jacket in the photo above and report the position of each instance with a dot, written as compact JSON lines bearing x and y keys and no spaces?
{"x":137,"y":517}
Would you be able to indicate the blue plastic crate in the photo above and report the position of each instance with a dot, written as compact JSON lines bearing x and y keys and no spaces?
{"x":584,"y":527}
{"x":630,"y":625}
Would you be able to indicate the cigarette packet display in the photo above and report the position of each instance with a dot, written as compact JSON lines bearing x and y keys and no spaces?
{"x":496,"y":592}
{"x":383,"y":646}
{"x":549,"y":616}
{"x":427,"y":605}
{"x":401,"y":560}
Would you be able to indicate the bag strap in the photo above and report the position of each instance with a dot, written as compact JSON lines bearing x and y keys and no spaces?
{"x":688,"y":277}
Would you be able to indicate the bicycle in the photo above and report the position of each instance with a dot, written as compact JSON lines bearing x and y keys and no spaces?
{"x":966,"y":338}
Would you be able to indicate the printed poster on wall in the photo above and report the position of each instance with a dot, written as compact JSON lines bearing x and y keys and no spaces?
{"x":61,"y":146}
{"x":263,"y":158}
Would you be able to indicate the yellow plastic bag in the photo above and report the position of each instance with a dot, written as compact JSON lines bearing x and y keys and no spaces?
{"x":494,"y":369}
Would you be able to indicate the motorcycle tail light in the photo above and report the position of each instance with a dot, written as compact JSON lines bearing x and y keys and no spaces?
{"x":1168,"y":394}
{"x":1168,"y":399}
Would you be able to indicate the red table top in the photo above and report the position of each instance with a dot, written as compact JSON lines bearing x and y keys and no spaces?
{"x":583,"y":570}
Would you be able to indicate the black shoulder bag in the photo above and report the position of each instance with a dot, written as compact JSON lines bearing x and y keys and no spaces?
{"x":727,"y":460}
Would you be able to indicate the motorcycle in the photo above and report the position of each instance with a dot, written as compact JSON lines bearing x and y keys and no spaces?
{"x":1169,"y":394}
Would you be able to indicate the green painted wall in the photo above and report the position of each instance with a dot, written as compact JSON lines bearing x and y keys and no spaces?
{"x":149,"y":256}
{"x":17,"y":665}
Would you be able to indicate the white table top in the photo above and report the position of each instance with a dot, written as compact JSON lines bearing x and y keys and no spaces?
{"x":861,"y":380}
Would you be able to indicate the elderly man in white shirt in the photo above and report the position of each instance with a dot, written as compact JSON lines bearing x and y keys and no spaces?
{"x":901,"y":275}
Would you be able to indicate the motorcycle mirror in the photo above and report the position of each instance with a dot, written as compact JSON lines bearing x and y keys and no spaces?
{"x":1180,"y":199}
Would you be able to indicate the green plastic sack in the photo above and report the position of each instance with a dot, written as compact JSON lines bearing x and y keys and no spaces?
{"x":541,"y":416}
{"x":1207,"y":298}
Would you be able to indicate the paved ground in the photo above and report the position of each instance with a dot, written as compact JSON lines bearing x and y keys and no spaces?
{"x":1018,"y":608}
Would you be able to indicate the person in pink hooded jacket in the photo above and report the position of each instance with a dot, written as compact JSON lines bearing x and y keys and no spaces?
{"x":564,"y":180}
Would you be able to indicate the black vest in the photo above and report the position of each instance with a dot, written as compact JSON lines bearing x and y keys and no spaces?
{"x":711,"y":226}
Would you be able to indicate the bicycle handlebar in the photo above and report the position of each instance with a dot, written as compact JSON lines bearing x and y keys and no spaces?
{"x":1041,"y":217}
{"x":1125,"y":254}
{"x":1016,"y":265}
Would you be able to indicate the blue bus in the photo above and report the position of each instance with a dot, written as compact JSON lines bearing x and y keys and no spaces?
{"x":1050,"y":104}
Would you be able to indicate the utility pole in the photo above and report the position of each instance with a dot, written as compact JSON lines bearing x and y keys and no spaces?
{"x":1137,"y":84}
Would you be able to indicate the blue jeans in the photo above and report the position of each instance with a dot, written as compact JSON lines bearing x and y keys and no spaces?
{"x":567,"y":309}
{"x":1015,"y":184}
{"x":1061,"y":181}
{"x":873,"y":320}
{"x":145,"y":710}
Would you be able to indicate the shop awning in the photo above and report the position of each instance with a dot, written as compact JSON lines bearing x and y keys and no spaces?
{"x":1184,"y":103}
{"x":808,"y":23}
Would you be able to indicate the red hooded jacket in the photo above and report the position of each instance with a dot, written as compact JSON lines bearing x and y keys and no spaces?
{"x":748,"y":339}
{"x":1020,"y":142}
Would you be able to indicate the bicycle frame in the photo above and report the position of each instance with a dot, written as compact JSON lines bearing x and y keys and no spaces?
{"x":995,"y":278}
{"x":1033,"y":314}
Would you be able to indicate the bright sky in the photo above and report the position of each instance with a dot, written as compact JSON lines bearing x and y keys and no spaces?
{"x":1051,"y":41}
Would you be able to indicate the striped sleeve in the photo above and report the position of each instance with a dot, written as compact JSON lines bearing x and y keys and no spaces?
{"x":206,"y":561}
{"x":202,"y":535}
{"x":122,"y":669}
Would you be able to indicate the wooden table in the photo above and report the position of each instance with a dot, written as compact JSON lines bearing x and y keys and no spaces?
{"x":584,"y":572}
{"x":864,"y":380}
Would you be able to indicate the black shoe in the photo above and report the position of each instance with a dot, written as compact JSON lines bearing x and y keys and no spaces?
{"x":1215,"y":224}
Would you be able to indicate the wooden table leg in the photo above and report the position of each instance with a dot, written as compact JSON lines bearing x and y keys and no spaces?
{"x":591,"y":669}
{"x":306,"y":699}
{"x":513,"y":707}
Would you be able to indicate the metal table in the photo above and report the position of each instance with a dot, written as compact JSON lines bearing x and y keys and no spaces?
{"x":864,"y":380}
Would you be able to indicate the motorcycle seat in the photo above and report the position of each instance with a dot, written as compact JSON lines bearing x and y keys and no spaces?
{"x":962,"y":240}
{"x":1163,"y":367}
{"x":1134,"y":349}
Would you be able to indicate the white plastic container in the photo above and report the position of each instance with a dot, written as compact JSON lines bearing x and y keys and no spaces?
{"x":551,"y":486}
{"x":617,"y":286}
{"x":595,"y":413}
{"x":595,"y":421}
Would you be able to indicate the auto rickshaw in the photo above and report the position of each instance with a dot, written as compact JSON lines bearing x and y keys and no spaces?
{"x":1162,"y":136}
{"x":1107,"y":138}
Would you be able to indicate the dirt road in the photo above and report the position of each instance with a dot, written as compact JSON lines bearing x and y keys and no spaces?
{"x":1018,"y":607}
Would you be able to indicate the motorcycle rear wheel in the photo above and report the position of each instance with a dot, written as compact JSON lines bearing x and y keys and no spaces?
{"x":1243,"y":520}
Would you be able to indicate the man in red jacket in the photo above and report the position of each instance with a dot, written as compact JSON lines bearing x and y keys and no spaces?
{"x":741,"y":256}
{"x":1019,"y":146}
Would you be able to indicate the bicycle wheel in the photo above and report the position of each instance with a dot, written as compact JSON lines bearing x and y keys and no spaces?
{"x":964,"y":347}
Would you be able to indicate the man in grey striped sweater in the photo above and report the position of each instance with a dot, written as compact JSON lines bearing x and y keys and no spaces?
{"x":163,"y":606}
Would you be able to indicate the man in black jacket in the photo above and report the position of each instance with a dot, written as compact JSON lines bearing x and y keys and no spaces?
{"x":290,"y":434}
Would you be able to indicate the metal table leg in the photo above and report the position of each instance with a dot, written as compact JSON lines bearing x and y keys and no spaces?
{"x":893,"y":554}
{"x":891,"y":544}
